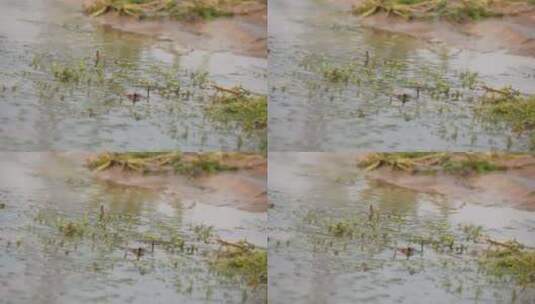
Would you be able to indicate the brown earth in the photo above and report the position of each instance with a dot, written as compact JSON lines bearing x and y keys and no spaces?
{"x":244,"y":34}
{"x":513,"y":32}
{"x":244,"y":189}
{"x":514,"y":186}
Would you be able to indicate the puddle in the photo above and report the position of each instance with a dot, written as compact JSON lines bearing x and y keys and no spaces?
{"x":309,"y":264}
{"x":364,"y":113}
{"x":48,"y":254}
{"x":41,"y":113}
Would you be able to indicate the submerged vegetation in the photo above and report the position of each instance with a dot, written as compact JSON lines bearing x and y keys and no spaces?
{"x":189,"y":164}
{"x":109,"y":233}
{"x":188,"y":10}
{"x":510,"y":259}
{"x":451,"y":10}
{"x":183,"y":95}
{"x":509,"y":106}
{"x":381,"y":84}
{"x":434,"y":162}
{"x":377,"y":231}
{"x":243,"y":260}
{"x":239,"y":106}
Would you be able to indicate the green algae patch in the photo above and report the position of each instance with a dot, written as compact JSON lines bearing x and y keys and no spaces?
{"x":510,"y":260}
{"x":182,"y":10}
{"x":239,"y":106}
{"x":435,"y":162}
{"x":450,"y":10}
{"x":241,"y":260}
{"x":190,"y":164}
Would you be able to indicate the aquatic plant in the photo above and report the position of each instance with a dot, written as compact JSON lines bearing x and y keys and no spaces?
{"x":239,"y":106}
{"x":510,"y":260}
{"x":241,"y":260}
{"x":509,"y":106}
{"x":203,"y":232}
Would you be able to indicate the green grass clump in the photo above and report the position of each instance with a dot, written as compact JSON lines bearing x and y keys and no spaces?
{"x":517,"y":111}
{"x":338,"y":74}
{"x":511,"y":261}
{"x":73,"y":229}
{"x":196,"y":10}
{"x":241,"y":107}
{"x":341,"y":229}
{"x":203,"y":164}
{"x":468,"y":166}
{"x":242,"y":260}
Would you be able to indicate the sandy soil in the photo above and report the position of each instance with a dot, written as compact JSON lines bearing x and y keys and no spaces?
{"x":513,"y":33}
{"x":514,"y":187}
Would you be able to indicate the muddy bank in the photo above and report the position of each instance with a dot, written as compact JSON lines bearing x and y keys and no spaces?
{"x":512,"y":33}
{"x":243,"y":188}
{"x":512,"y":186}
{"x":245,"y":33}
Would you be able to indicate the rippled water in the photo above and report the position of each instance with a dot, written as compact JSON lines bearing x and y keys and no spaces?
{"x":88,"y":117}
{"x":308,"y":113}
{"x":39,"y":265}
{"x":307,"y":264}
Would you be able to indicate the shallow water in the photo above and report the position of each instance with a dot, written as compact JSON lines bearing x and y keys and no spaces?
{"x":308,"y":113}
{"x":39,"y":265}
{"x":38,"y":113}
{"x":307,"y":264}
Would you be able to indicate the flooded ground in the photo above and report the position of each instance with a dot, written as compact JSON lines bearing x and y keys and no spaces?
{"x":55,"y":94}
{"x":316,"y":257}
{"x":72,"y":236}
{"x":337,"y":85}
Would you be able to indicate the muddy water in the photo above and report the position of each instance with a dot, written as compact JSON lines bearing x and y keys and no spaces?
{"x":39,"y":265}
{"x":308,"y":113}
{"x":37,"y":113}
{"x":307,"y":264}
